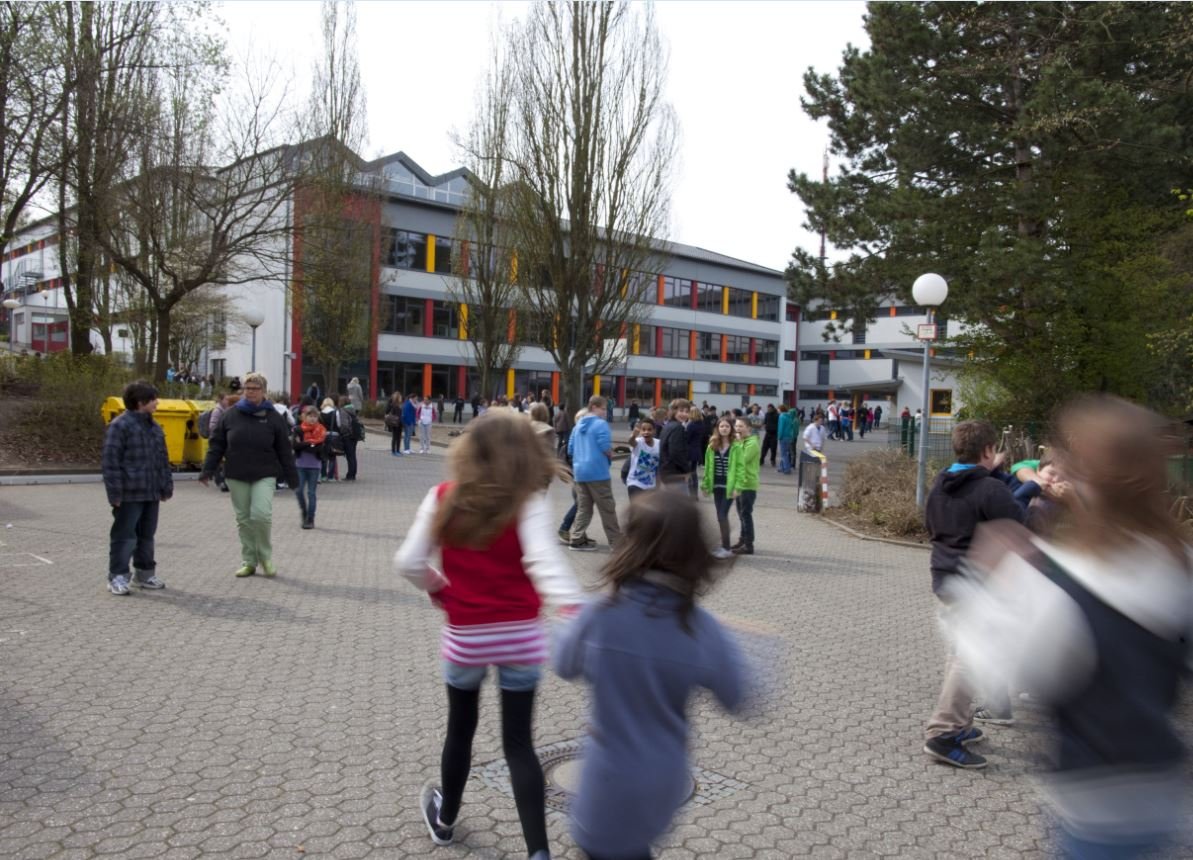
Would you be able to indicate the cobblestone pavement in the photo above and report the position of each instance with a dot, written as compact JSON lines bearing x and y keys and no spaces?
{"x":301,"y":715}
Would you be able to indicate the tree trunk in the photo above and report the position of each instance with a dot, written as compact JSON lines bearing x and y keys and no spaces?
{"x":163,"y":343}
{"x":572,"y":376}
{"x":331,"y":376}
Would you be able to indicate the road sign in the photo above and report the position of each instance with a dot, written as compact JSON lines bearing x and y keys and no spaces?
{"x":925,"y":331}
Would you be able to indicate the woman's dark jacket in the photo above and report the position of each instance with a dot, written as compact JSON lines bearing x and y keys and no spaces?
{"x":253,"y":446}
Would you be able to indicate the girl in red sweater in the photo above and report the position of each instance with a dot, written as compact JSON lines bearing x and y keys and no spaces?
{"x":492,"y":527}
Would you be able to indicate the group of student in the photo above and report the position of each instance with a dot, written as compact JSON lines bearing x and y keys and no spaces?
{"x":843,"y":419}
{"x":405,"y":415}
{"x":643,"y":648}
{"x":667,"y":451}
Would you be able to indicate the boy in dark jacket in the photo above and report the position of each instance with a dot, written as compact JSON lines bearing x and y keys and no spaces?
{"x":963,"y":495}
{"x":675,"y":461}
{"x":137,"y":478}
{"x":696,"y":434}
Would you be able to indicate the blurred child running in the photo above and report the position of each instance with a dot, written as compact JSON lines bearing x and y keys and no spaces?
{"x":490,"y":524}
{"x":644,"y":650}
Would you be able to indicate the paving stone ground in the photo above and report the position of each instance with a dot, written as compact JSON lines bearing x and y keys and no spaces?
{"x":300,"y":716}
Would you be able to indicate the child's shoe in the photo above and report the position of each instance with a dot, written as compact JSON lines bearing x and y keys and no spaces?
{"x":429,"y":803}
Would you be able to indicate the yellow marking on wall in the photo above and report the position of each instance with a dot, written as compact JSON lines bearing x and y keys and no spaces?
{"x":430,"y":252}
{"x":596,"y":384}
{"x":509,"y":383}
{"x":463,"y":321}
{"x":725,"y":301}
{"x":754,"y":306}
{"x":637,"y":339}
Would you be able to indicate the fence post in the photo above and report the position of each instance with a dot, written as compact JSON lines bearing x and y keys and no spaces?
{"x":824,"y":485}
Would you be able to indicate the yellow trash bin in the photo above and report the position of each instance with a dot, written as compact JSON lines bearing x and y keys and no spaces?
{"x":112,"y":407}
{"x":177,"y":419}
{"x":194,"y":449}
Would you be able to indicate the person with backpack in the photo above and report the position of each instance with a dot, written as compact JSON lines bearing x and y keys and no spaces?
{"x":351,"y":433}
{"x":489,"y":525}
{"x":137,"y":479}
{"x":333,"y":446}
{"x":253,"y":442}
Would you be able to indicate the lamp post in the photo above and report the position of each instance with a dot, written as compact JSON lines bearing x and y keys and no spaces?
{"x":930,"y":291}
{"x":254,"y":317}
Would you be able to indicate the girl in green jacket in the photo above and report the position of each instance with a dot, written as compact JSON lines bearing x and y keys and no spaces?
{"x":718,"y":466}
{"x":743,"y":483}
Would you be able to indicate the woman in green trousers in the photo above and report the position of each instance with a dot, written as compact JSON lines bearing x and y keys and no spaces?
{"x":253,"y":441}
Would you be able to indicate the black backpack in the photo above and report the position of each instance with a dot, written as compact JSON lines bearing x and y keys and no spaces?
{"x":205,"y":424}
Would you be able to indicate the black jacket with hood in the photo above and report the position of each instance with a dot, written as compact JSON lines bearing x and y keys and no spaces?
{"x":957,"y":502}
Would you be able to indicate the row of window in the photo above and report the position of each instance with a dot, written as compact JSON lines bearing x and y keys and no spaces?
{"x":842,"y":355}
{"x":409,"y":249}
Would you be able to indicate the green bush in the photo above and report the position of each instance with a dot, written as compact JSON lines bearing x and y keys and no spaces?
{"x":66,"y":393}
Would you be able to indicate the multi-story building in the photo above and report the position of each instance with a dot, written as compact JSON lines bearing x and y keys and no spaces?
{"x":716,"y":329}
{"x":877,"y":362}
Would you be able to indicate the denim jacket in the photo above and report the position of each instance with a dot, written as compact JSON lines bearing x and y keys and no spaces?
{"x":136,"y":466}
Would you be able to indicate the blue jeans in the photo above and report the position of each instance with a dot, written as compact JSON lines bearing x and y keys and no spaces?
{"x":745,"y":512}
{"x":131,"y":539}
{"x":785,"y":456}
{"x":407,"y":432}
{"x":514,"y":677}
{"x":308,"y":483}
{"x":570,"y":516}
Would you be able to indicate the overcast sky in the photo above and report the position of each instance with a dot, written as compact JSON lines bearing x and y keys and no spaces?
{"x":735,"y":82}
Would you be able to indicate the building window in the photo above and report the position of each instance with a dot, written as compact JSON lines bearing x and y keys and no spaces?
{"x":674,"y":389}
{"x":675,"y":342}
{"x":446,"y":320}
{"x":677,"y":293}
{"x":639,"y":388}
{"x":741,"y":303}
{"x":646,"y":340}
{"x":219,"y":369}
{"x":859,"y":331}
{"x":768,"y":307}
{"x":402,"y":315}
{"x":708,"y":347}
{"x":789,"y":355}
{"x":408,"y":250}
{"x":941,"y":401}
{"x":219,"y":330}
{"x":822,"y":361}
{"x":443,"y":255}
{"x":792,"y":312}
{"x":766,"y":353}
{"x":737,"y":349}
{"x":708,"y":298}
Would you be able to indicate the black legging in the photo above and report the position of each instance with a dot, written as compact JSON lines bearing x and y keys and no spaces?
{"x":770,"y":443}
{"x":395,"y":443}
{"x":526,"y":774}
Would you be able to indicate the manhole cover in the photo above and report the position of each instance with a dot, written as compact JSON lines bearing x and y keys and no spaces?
{"x":561,"y":773}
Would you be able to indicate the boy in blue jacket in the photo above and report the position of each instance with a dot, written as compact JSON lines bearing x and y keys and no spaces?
{"x":591,"y":448}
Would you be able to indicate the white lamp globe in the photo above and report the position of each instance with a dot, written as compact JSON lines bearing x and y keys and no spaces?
{"x":254,"y":317}
{"x":930,"y":290}
{"x":12,"y":304}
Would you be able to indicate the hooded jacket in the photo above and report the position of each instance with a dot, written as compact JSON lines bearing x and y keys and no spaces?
{"x":587,"y":446}
{"x":962,"y":496}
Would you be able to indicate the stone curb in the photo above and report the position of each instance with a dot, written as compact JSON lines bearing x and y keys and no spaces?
{"x":861,"y":536}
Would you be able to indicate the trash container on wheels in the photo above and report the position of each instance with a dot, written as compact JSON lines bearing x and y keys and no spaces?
{"x":194,"y":448}
{"x":172,"y":415}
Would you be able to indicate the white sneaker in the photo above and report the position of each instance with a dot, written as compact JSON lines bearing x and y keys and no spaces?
{"x":721,"y":552}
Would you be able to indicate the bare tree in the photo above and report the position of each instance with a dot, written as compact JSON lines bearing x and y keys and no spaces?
{"x":106,"y":57}
{"x":339,"y":221}
{"x":33,"y":93}
{"x":592,"y":146}
{"x":484,"y":281}
{"x":178,"y":223}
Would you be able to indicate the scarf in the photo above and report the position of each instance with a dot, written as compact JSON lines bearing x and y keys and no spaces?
{"x":247,"y":407}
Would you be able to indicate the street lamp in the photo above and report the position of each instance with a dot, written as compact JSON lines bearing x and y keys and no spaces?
{"x":930,"y":291}
{"x":254,"y":317}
